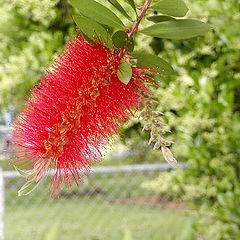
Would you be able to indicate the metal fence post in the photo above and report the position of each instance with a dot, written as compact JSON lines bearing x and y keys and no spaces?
{"x":1,"y":205}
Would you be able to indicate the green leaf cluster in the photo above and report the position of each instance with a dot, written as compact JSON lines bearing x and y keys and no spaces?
{"x":30,"y":185}
{"x":98,"y":22}
{"x":95,"y":20}
{"x":169,"y":24}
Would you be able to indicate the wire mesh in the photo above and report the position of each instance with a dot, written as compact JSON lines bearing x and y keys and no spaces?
{"x":110,"y":204}
{"x":104,"y":207}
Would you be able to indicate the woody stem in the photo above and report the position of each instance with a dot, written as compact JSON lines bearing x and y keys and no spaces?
{"x":134,"y":27}
{"x":140,"y":16}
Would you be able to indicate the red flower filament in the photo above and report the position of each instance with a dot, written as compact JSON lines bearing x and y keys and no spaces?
{"x":74,"y":111}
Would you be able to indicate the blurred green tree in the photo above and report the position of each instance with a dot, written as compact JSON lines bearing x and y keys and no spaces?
{"x":31,"y":33}
{"x":202,"y":108}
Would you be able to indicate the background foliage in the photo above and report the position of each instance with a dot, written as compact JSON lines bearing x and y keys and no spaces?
{"x":31,"y":33}
{"x":202,"y":107}
{"x":201,"y":104}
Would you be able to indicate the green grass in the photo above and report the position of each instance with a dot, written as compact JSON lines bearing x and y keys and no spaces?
{"x":95,"y":218}
{"x":92,"y":219}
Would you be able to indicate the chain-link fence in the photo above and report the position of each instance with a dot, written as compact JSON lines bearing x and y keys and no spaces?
{"x":110,"y":204}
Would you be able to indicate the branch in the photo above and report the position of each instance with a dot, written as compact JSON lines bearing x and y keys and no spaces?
{"x":134,"y":27}
{"x":140,"y":16}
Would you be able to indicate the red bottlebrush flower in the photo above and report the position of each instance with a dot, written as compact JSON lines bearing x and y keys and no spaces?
{"x":74,"y":111}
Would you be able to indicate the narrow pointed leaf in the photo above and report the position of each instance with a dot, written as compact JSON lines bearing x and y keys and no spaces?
{"x":97,"y":12}
{"x":119,"y":8}
{"x":28,"y":175}
{"x":86,"y":37}
{"x":124,"y":72}
{"x":109,"y":29}
{"x":177,"y":29}
{"x":27,"y":188}
{"x":91,"y":28}
{"x":159,"y":18}
{"x":31,"y":177}
{"x":175,"y":8}
{"x":149,"y":60}
{"x":21,"y":172}
{"x":168,"y":156}
{"x":132,"y":4}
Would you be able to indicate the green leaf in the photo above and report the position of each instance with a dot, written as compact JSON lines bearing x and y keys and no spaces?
{"x":175,"y":8}
{"x":168,"y":156}
{"x":31,"y":177}
{"x":97,"y":12}
{"x":159,"y":18}
{"x":124,"y":72}
{"x":177,"y":29}
{"x":91,"y":28}
{"x":132,"y":4}
{"x":120,"y":8}
{"x":149,"y":60}
{"x":86,"y":37}
{"x":120,"y":39}
{"x":109,"y":29}
{"x":21,"y":172}
{"x":130,"y":45}
{"x":28,"y":175}
{"x":27,"y":188}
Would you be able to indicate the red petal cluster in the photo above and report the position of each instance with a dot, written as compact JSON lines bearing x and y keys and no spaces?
{"x":74,"y":110}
